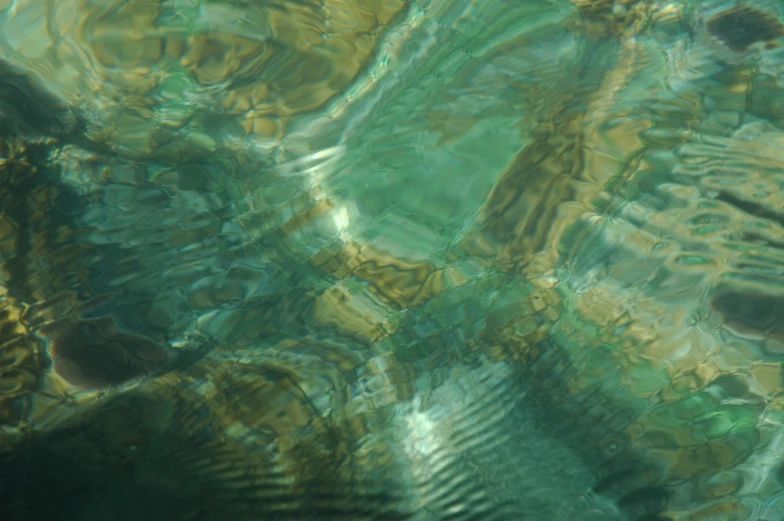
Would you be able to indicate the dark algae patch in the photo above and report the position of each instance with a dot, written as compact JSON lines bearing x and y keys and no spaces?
{"x":740,"y":27}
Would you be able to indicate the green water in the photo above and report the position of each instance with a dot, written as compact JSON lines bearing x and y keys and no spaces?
{"x":508,"y":260}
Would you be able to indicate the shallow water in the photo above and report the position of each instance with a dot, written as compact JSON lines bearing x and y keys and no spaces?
{"x":391,"y":260}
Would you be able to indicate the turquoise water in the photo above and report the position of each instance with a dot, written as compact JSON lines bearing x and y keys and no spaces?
{"x":376,"y":260}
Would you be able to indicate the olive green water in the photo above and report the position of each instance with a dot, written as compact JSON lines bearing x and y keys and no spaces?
{"x":381,"y":259}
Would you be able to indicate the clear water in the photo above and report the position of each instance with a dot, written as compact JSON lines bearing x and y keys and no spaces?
{"x":383,"y":259}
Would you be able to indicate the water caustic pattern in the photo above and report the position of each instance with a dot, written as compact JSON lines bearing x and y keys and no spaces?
{"x":384,"y":260}
{"x":145,"y":72}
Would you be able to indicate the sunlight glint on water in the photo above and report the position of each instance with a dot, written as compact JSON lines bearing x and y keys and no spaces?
{"x":381,"y":259}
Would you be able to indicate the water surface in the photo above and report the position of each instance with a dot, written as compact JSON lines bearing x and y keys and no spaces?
{"x":510,"y":260}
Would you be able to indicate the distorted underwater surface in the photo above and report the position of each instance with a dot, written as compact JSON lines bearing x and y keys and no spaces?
{"x":376,"y":260}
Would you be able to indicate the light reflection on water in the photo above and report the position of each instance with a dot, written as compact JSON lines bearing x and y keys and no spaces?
{"x":391,"y":260}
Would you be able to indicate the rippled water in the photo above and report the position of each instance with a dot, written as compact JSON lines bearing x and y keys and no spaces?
{"x":385,"y":259}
